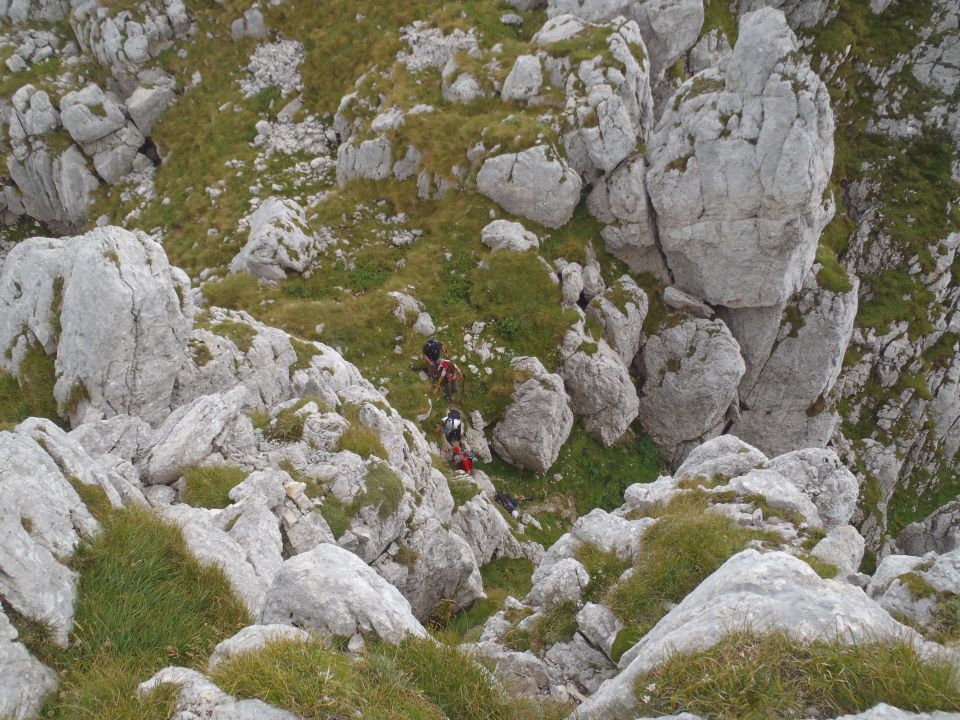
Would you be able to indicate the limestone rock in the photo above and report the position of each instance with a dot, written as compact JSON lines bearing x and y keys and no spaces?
{"x":620,"y":200}
{"x":507,"y":235}
{"x":821,"y":476}
{"x":42,"y":520}
{"x":524,"y":80}
{"x":253,"y":638}
{"x":621,"y":310}
{"x":778,"y":491}
{"x":788,"y":405}
{"x":485,"y":530}
{"x":579,"y":664}
{"x":107,"y":289}
{"x":370,"y":160}
{"x":250,"y":25}
{"x":938,"y":532}
{"x":537,"y":422}
{"x":599,"y":625}
{"x":147,"y":104}
{"x":691,"y":372}
{"x":800,"y":13}
{"x":564,"y":581}
{"x":278,"y":241}
{"x":333,"y":592}
{"x":534,"y":184}
{"x":192,"y":433}
{"x":842,"y":547}
{"x":198,"y":697}
{"x":766,"y":592}
{"x":24,"y":681}
{"x":722,"y":457}
{"x":764,"y":127}
{"x":601,"y":391}
{"x":523,"y":672}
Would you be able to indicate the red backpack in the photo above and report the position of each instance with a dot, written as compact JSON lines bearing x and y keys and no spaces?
{"x":462,"y":460}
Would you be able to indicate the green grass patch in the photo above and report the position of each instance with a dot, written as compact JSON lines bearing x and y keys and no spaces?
{"x":136,"y":572}
{"x":501,"y":577}
{"x":335,"y":513}
{"x":824,"y":569}
{"x":360,"y":438}
{"x":747,"y":675}
{"x":209,"y":486}
{"x":32,"y":394}
{"x":384,"y":491}
{"x":677,"y":554}
{"x":605,"y":568}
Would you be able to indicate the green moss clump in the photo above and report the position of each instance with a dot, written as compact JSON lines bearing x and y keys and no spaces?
{"x":32,"y":394}
{"x":604,"y":568}
{"x":384,"y":491}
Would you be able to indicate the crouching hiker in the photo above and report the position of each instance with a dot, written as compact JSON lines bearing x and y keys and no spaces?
{"x":448,"y":377}
{"x":433,"y":349}
{"x":512,"y":504}
{"x":462,"y":460}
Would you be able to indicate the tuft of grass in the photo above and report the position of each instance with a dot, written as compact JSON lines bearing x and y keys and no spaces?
{"x":136,"y":570}
{"x":824,"y":569}
{"x":32,"y":394}
{"x":774,"y":676}
{"x":677,"y":554}
{"x":335,"y":513}
{"x":501,"y":577}
{"x":384,"y":491}
{"x":360,"y":438}
{"x":240,"y":334}
{"x":419,"y":679}
{"x":605,"y":568}
{"x":209,"y":486}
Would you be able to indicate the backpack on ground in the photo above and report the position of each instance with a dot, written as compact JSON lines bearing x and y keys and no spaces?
{"x":510,"y":503}
{"x":463,"y":460}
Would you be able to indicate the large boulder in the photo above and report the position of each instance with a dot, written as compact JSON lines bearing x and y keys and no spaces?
{"x":537,"y":422}
{"x":621,"y":310}
{"x":335,"y":593}
{"x":24,"y":681}
{"x":772,"y":592}
{"x":939,"y":532}
{"x":278,"y":241}
{"x":788,"y":404}
{"x":722,"y":457}
{"x":690,"y":375}
{"x":198,"y":697}
{"x":764,"y":127}
{"x":536,"y":184}
{"x":601,"y":390}
{"x":77,"y":296}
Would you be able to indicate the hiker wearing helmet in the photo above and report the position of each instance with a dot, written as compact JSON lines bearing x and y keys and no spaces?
{"x":433,"y":349}
{"x":448,"y":375}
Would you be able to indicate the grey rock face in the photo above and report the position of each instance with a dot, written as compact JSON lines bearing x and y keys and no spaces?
{"x":939,"y":532}
{"x":601,"y":391}
{"x":800,"y":13}
{"x":669,"y":28}
{"x":768,"y":592}
{"x":250,"y":25}
{"x":691,"y":372}
{"x":333,"y":592}
{"x":533,"y":184}
{"x":278,"y":241}
{"x":107,"y":289}
{"x":821,"y":476}
{"x":537,"y":422}
{"x":42,"y":520}
{"x":609,"y":103}
{"x":725,"y":456}
{"x":370,"y":160}
{"x":147,"y":104}
{"x":485,"y":530}
{"x":765,"y":128}
{"x":620,"y":199}
{"x":507,"y":235}
{"x":54,"y":188}
{"x":24,"y":681}
{"x":23,"y":11}
{"x":788,"y":405}
{"x":564,"y":581}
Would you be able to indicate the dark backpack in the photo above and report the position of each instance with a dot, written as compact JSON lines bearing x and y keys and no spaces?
{"x":432,"y":349}
{"x":508,"y":502}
